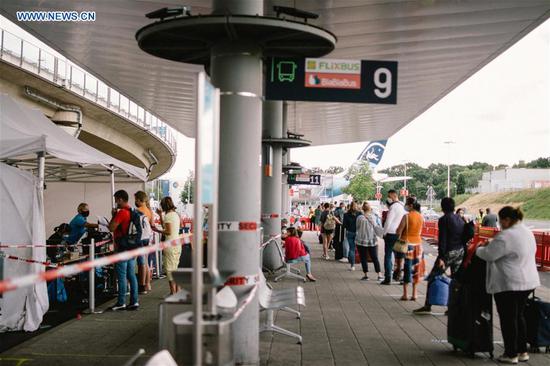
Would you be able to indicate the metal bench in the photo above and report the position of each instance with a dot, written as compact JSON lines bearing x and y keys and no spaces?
{"x":272,"y":300}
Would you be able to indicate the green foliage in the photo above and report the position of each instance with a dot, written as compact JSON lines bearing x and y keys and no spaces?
{"x":187,"y":192}
{"x":462,"y":177}
{"x":361,"y":185}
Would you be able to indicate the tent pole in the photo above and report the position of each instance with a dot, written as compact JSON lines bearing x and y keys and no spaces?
{"x":113,"y":186}
{"x":41,"y":172}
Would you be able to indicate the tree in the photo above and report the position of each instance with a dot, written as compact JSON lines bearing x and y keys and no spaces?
{"x":460,"y":184}
{"x":361,"y":185}
{"x":539,"y":163}
{"x":187,"y":192}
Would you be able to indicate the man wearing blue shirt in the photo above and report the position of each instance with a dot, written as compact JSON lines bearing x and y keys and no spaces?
{"x":78,"y":224}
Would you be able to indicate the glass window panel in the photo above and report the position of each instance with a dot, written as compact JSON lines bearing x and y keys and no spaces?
{"x":77,"y":78}
{"x":47,"y":62}
{"x":102,"y":91}
{"x":114,"y":98}
{"x":12,"y":44}
{"x":91,"y":84}
{"x":123,"y":104}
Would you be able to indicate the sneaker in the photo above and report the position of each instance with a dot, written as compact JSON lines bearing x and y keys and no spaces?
{"x":327,"y":257}
{"x":423,"y":310}
{"x":352,"y":268}
{"x":343,"y":260}
{"x":380,"y":278}
{"x":508,"y":360}
{"x":134,"y":306}
{"x":118,"y":307}
{"x":385,"y":282}
{"x":523,"y":357}
{"x":365,"y":278}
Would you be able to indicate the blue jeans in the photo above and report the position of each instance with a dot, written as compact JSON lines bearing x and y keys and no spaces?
{"x":351,"y":253}
{"x":306,"y":259}
{"x":126,"y":271}
{"x":389,"y":241}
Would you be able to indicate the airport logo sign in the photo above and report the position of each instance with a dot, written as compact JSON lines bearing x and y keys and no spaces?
{"x":331,"y":80}
{"x":334,"y":74}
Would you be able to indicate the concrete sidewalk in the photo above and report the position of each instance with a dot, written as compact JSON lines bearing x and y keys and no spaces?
{"x":346,"y":322}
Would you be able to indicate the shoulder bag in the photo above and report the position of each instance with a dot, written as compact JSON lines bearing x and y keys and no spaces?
{"x":401,"y":246}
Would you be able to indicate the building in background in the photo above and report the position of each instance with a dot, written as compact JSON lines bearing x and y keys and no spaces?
{"x":513,"y":179}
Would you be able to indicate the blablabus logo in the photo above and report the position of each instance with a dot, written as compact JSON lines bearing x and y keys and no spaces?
{"x":334,"y":74}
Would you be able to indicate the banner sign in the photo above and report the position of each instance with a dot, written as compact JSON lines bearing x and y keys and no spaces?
{"x":332,"y":80}
{"x":309,"y":179}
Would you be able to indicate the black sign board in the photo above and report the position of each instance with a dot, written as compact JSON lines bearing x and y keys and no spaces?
{"x":328,"y":80}
{"x":309,"y":179}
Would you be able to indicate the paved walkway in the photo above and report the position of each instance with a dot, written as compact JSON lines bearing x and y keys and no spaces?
{"x":346,"y":322}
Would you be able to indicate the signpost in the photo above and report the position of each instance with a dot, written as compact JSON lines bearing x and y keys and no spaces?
{"x":306,"y":179}
{"x":332,"y":80}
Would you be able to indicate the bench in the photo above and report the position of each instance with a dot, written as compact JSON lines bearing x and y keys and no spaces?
{"x":272,"y":300}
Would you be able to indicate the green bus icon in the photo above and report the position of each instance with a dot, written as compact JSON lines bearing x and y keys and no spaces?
{"x":286,"y":70}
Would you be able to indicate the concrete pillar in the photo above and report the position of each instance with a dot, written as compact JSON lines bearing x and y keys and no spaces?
{"x":271,"y":185}
{"x":236,"y":69}
{"x":285,"y":209}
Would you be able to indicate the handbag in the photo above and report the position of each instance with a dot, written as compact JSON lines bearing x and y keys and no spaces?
{"x":401,"y":246}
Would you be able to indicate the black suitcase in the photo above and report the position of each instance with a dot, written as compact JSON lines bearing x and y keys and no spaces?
{"x":470,"y":311}
{"x":537,"y":318}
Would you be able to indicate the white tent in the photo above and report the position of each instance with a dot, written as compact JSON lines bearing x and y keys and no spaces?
{"x":31,"y":142}
{"x":22,"y":221}
{"x":26,"y":132}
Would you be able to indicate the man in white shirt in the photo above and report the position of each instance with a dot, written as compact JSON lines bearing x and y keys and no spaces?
{"x":393,"y":219}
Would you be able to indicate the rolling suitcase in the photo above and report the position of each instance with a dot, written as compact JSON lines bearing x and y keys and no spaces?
{"x":470,"y":312}
{"x":537,"y":318}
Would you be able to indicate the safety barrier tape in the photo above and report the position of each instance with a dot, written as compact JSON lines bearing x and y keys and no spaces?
{"x":242,"y":280}
{"x":20,"y":246}
{"x":73,"y":269}
{"x":246,"y":301}
{"x":25,"y":260}
{"x":238,"y":226}
{"x":267,"y":216}
{"x":272,"y":238}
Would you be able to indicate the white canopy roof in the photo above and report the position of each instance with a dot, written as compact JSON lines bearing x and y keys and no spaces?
{"x":438,"y":45}
{"x":24,"y":132}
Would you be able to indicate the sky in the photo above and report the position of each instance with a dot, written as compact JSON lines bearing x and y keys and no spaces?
{"x":499,"y":115}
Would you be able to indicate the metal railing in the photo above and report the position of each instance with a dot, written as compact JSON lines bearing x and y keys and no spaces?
{"x":64,"y":73}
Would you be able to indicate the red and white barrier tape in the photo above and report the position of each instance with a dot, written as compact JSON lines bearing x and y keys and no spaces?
{"x":25,"y":260}
{"x":242,"y":280}
{"x":20,"y":246}
{"x":272,"y":238}
{"x":70,"y":270}
{"x":246,"y":301}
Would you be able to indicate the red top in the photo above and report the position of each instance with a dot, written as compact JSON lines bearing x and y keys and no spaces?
{"x":122,"y":217}
{"x":294,"y":248}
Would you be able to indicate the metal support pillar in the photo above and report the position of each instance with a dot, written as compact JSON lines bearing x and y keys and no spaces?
{"x":285,"y":199}
{"x":236,"y":69}
{"x":271,"y":185}
{"x":113,"y":204}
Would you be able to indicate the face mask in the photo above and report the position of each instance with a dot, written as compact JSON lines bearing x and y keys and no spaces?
{"x":85,"y":213}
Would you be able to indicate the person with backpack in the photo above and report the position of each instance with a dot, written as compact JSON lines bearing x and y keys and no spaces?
{"x":451,"y":244}
{"x":144,"y":276}
{"x":170,"y":221}
{"x":125,"y":270}
{"x":328,"y":225}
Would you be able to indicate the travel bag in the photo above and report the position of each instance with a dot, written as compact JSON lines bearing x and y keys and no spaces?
{"x":438,"y":293}
{"x":537,"y":318}
{"x":470,"y":311}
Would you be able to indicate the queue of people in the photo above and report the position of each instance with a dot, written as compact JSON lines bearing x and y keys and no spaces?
{"x":510,"y":256}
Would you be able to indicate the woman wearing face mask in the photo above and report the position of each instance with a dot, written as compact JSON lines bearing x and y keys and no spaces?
{"x":409,"y":231}
{"x":79,"y":224}
{"x":511,"y":276}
